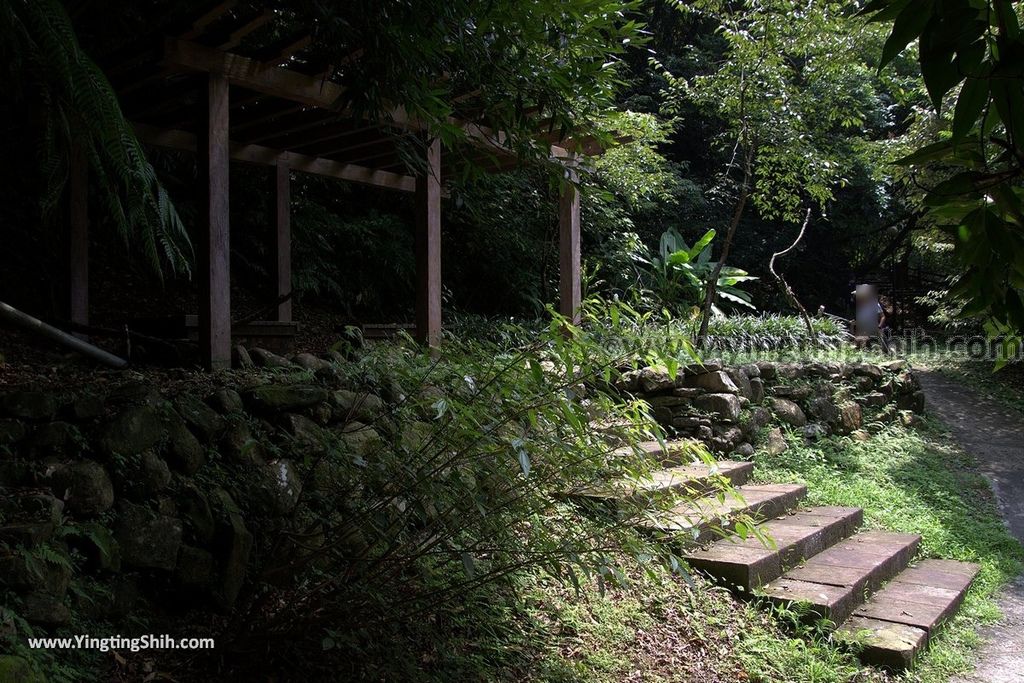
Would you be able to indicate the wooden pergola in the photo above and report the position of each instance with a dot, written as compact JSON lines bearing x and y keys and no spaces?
{"x":196,"y":91}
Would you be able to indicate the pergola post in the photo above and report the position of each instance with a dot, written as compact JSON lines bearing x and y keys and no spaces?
{"x":569,"y":280}
{"x":78,"y":239}
{"x":214,"y":272}
{"x":428,"y":248}
{"x":283,"y":240}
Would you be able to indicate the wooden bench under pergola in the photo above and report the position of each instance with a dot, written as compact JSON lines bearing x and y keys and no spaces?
{"x":195,"y":90}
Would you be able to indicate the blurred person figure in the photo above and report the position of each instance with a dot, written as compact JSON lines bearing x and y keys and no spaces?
{"x":869,"y":321}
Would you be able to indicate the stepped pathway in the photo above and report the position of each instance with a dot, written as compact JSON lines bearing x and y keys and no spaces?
{"x":862,"y":581}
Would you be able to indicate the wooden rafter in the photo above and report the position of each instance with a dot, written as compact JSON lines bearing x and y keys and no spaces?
{"x":297,"y":87}
{"x":258,"y":154}
{"x":238,"y":35}
{"x":203,"y":22}
{"x":354,"y":151}
{"x":302,"y":118}
{"x":237,"y":103}
{"x":285,"y":49}
{"x":248,"y":73}
{"x":380,"y":157}
{"x":332,"y":134}
{"x":308,"y":119}
{"x":269,"y":116}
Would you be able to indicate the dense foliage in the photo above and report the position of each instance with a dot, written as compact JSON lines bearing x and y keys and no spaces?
{"x":707,"y":86}
{"x":74,"y":110}
{"x":459,"y":494}
{"x":971,"y":56}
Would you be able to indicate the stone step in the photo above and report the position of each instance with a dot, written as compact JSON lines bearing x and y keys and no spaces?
{"x":705,"y":518}
{"x":833,"y":583}
{"x":897,"y":622}
{"x":749,"y":563}
{"x":694,"y":479}
{"x":672,"y":453}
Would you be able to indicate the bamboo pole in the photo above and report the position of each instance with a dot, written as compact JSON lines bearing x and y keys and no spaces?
{"x":31,"y":324}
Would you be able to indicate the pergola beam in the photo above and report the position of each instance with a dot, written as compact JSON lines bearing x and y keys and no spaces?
{"x":207,"y":18}
{"x":316,"y":91}
{"x":287,"y":48}
{"x":239,"y":34}
{"x":257,"y":154}
{"x":249,"y":73}
{"x":281,"y":130}
{"x":269,"y":116}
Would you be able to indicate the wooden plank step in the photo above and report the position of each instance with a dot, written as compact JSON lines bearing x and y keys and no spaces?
{"x":833,"y":583}
{"x":694,"y":479}
{"x":705,"y":518}
{"x":896,"y":624}
{"x":749,"y":563}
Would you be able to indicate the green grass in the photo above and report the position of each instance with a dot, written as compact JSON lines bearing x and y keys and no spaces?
{"x":917,"y":482}
{"x":659,"y":628}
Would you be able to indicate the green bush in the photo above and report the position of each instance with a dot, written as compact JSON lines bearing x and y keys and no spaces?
{"x":459,"y":491}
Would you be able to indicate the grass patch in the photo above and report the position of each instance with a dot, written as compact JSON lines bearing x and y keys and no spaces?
{"x":916,"y":482}
{"x":659,"y":628}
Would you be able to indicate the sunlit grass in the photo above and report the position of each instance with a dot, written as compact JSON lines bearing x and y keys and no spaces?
{"x":915,"y":482}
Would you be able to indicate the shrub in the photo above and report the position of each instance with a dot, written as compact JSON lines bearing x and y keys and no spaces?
{"x":460,"y":488}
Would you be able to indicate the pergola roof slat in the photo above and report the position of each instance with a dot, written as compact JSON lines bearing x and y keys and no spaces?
{"x":267,"y":117}
{"x":205,"y":20}
{"x":332,"y":133}
{"x":238,"y":34}
{"x":357,"y":152}
{"x":285,"y":49}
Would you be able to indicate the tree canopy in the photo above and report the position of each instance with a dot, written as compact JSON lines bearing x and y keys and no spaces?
{"x":971,"y":56}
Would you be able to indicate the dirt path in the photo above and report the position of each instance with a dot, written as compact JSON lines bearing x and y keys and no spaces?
{"x":995,"y":436}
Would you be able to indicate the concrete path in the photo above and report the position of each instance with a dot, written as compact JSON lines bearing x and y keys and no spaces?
{"x":994,"y":434}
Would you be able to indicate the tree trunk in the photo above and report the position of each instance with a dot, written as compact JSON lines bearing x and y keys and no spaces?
{"x":712,"y":285}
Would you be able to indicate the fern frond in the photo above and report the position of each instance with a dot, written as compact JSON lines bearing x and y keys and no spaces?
{"x":80,"y":107}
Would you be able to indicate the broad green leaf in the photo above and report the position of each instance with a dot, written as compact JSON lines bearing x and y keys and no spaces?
{"x":678,"y":257}
{"x":908,"y":25}
{"x":969,"y":106}
{"x":1008,"y":98}
{"x":932,"y":152}
{"x":703,"y":242}
{"x":939,"y":72}
{"x":956,"y":188}
{"x":883,"y":10}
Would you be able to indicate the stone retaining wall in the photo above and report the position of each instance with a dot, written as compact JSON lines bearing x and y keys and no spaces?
{"x":727,"y":407}
{"x":173,"y":498}
{"x":165,"y":498}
